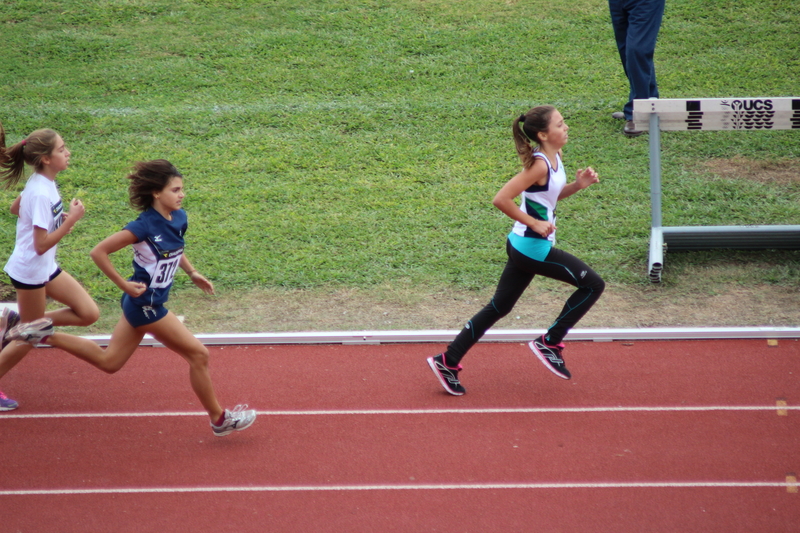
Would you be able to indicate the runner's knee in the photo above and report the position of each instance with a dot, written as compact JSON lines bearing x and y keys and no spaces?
{"x":501,"y":309}
{"x":599,"y":286}
{"x":594,"y":282}
{"x":112,"y":364}
{"x":88,"y":314}
{"x":199,"y":357}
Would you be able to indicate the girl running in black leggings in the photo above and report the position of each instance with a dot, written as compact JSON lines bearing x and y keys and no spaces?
{"x":539,"y":136}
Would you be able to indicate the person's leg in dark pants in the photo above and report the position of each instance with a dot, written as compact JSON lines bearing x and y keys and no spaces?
{"x":513,"y":282}
{"x":636,"y":25}
{"x":619,"y":21}
{"x":565,"y":267}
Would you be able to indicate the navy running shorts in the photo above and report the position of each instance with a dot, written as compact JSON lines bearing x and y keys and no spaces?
{"x":141,"y":315}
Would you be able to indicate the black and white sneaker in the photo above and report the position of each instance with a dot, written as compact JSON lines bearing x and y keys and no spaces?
{"x":8,"y":319}
{"x":550,"y":356}
{"x":447,"y":376}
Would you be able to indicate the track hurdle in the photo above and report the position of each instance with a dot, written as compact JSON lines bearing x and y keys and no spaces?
{"x":710,"y":114}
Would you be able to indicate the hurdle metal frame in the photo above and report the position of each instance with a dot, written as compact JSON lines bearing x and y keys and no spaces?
{"x":711,"y":114}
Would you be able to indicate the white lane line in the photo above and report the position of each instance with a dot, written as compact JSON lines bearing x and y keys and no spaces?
{"x":448,"y":486}
{"x":500,"y":410}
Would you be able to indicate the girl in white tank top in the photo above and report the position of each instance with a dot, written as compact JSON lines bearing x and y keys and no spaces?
{"x":539,"y":136}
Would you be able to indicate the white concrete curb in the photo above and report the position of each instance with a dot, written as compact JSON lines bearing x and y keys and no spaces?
{"x":445,"y":336}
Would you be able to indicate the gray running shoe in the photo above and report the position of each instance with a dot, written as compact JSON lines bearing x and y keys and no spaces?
{"x":32,"y":332}
{"x":8,"y":319}
{"x":237,"y":419}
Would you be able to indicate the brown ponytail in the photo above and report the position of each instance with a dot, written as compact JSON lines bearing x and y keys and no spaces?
{"x":526,"y":129}
{"x":30,"y":150}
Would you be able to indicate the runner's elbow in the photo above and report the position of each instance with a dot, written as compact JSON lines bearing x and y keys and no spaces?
{"x":98,"y":255}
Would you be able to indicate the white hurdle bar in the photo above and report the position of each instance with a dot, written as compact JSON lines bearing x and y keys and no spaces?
{"x":711,"y":114}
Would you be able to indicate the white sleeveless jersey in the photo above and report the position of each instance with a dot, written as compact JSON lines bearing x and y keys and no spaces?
{"x":539,"y":201}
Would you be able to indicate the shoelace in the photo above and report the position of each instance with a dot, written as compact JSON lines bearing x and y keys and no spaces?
{"x":238,"y":409}
{"x":3,"y":396}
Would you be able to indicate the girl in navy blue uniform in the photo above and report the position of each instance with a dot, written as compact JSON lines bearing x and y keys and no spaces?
{"x":157,"y":239}
{"x":539,"y":136}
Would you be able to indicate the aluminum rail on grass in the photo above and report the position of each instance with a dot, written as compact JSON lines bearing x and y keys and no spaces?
{"x":711,"y":114}
{"x":509,"y":335}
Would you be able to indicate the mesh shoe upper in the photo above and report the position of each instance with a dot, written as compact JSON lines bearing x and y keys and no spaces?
{"x":237,"y":419}
{"x":32,"y":332}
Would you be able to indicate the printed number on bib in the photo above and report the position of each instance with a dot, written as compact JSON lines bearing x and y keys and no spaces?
{"x":165,"y":272}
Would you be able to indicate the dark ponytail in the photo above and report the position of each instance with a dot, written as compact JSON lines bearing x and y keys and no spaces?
{"x":526,"y":129}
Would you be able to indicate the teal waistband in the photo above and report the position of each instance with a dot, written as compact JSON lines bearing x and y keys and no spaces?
{"x":534,"y":248}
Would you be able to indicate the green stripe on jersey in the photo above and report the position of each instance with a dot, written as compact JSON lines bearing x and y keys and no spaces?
{"x":535,"y":208}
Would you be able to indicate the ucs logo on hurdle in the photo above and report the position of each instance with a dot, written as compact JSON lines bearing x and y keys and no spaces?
{"x":741,"y":114}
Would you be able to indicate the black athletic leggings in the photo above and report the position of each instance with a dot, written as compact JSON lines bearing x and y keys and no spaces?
{"x":517,"y":275}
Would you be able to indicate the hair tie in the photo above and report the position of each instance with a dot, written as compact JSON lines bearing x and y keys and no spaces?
{"x":24,"y":142}
{"x":521,"y":118}
{"x":525,"y":133}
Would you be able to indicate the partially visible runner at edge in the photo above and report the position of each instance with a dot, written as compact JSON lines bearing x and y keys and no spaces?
{"x":41,"y":223}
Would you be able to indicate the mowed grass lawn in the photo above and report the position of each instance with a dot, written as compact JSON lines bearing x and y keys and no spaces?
{"x":352,"y":144}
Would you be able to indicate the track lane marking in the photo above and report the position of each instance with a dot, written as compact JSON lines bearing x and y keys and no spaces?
{"x":367,"y":412}
{"x":445,"y":486}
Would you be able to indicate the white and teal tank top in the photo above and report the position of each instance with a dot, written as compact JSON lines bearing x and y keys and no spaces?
{"x":539,"y":201}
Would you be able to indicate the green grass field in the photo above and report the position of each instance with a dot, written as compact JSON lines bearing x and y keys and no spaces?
{"x":333,"y":143}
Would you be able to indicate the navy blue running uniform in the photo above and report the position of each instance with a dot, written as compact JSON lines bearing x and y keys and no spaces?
{"x":156,"y":257}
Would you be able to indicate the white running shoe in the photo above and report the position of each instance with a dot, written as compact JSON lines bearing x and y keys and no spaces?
{"x":237,"y":419}
{"x":31,"y":332}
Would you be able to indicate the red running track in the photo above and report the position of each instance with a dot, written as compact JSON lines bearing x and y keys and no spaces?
{"x":674,"y":436}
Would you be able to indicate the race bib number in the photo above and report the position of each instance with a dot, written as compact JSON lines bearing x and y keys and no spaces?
{"x":166,"y":266}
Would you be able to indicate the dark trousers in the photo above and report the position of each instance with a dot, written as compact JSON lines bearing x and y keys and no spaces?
{"x":517,"y":275}
{"x":636,"y":24}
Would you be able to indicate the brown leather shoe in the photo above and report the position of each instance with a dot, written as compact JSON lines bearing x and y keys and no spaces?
{"x":630,"y":130}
